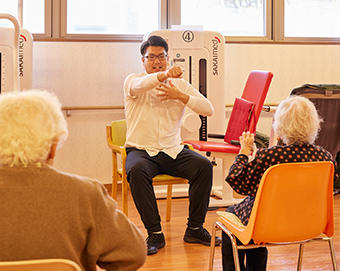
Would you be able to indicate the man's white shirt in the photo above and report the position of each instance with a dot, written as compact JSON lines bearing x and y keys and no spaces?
{"x":154,"y":125}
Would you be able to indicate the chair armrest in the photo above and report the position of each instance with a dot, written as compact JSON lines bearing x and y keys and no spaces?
{"x":113,"y":147}
{"x":116,"y":148}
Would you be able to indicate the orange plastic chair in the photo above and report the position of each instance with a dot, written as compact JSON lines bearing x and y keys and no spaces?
{"x":40,"y":265}
{"x":293,"y":205}
{"x":115,"y":135}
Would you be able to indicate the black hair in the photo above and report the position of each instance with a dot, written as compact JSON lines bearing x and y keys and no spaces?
{"x":153,"y":41}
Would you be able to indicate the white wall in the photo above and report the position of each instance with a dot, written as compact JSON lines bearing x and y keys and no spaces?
{"x":292,"y":65}
{"x":83,"y":73}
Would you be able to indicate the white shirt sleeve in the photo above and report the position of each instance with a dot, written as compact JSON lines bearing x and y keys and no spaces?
{"x":197,"y":102}
{"x":138,"y":84}
{"x":200,"y":105}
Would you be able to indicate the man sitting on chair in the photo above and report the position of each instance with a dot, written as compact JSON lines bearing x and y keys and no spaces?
{"x":154,"y":105}
{"x":46,"y":213}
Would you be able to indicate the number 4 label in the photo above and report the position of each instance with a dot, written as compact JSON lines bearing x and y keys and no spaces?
{"x":188,"y":36}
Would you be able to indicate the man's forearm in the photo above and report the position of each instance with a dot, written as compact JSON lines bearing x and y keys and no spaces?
{"x":143,"y":84}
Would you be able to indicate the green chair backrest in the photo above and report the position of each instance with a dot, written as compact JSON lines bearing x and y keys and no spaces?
{"x":118,"y":130}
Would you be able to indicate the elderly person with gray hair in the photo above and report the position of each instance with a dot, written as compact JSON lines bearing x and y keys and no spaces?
{"x":47,"y":213}
{"x":296,"y":123}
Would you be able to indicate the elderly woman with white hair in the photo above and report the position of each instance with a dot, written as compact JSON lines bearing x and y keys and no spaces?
{"x":47,"y":213}
{"x":296,"y":123}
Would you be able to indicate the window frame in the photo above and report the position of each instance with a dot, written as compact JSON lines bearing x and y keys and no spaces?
{"x":279,"y":30}
{"x":47,"y":20}
{"x":175,"y":19}
{"x":169,"y":14}
{"x":106,"y":37}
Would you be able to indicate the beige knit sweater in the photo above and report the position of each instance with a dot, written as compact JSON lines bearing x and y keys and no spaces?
{"x":46,"y":213}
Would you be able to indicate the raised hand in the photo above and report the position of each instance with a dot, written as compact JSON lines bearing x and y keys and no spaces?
{"x":247,"y":143}
{"x":174,"y":72}
{"x":169,"y":91}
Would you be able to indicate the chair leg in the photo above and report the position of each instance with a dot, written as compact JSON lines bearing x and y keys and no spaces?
{"x":114,"y":176}
{"x":300,"y":257}
{"x":331,"y":248}
{"x":234,"y":245}
{"x":114,"y":188}
{"x":168,"y":202}
{"x":235,"y":253}
{"x":212,"y":247}
{"x":125,"y":197}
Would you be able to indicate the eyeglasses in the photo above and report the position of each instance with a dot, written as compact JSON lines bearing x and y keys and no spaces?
{"x":153,"y":57}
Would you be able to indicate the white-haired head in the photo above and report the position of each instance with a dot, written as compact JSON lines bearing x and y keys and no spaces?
{"x":296,"y":120}
{"x":30,"y":123}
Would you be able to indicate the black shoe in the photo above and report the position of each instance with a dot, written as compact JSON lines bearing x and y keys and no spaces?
{"x":154,"y":242}
{"x":200,"y":235}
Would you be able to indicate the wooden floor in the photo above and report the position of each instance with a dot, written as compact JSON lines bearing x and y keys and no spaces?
{"x":177,"y":255}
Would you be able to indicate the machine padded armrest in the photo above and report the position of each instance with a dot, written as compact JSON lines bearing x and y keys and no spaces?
{"x":213,"y":146}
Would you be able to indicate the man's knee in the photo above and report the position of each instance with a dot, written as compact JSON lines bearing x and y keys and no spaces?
{"x":136,"y":171}
{"x":202,"y":172}
{"x":203,"y":164}
{"x":206,"y":170}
